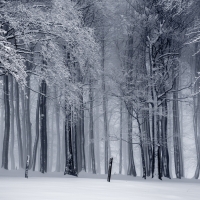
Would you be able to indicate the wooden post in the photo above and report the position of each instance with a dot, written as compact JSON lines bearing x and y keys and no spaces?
{"x":27,"y":166}
{"x":110,"y":169}
{"x":159,"y":163}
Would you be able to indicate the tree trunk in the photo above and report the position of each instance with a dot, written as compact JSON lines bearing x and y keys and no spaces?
{"x":43,"y":127}
{"x":7,"y":123}
{"x":37,"y":132}
{"x":131,"y":163}
{"x":57,"y":109}
{"x":164,"y":147}
{"x":69,"y":165}
{"x":82,"y":132}
{"x":125,"y":144}
{"x":23,"y":127}
{"x":196,"y":118}
{"x":105,"y":116}
{"x":52,"y":140}
{"x":28,"y":121}
{"x":176,"y":131}
{"x":74,"y":138}
{"x":18,"y":124}
{"x":63,"y":147}
{"x":91,"y":125}
{"x":142,"y":153}
{"x":12,"y":112}
{"x":120,"y":142}
{"x":2,"y":122}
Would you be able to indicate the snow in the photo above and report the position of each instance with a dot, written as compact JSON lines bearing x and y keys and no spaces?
{"x":55,"y":186}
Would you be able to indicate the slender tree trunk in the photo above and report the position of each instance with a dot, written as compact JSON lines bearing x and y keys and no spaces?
{"x":97,"y":133}
{"x":142,"y":153}
{"x":74,"y":137}
{"x":125,"y":135}
{"x":28,"y":121}
{"x":2,"y":122}
{"x":91,"y":125}
{"x":7,"y":123}
{"x":131,"y":163}
{"x":52,"y":140}
{"x":164,"y":147}
{"x":57,"y":109}
{"x":105,"y":116}
{"x":43,"y":127}
{"x":48,"y":134}
{"x":87,"y":145}
{"x":196,"y":117}
{"x":63,"y":148}
{"x":18,"y":124}
{"x":159,"y":152}
{"x":176,"y":131}
{"x":82,"y":131}
{"x":37,"y":131}
{"x":24,"y":139}
{"x":12,"y":138}
{"x":120,"y":142}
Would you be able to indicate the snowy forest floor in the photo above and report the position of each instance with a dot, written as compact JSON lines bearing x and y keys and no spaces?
{"x":56,"y":186}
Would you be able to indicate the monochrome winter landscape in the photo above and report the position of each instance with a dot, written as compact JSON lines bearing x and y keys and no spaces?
{"x":99,"y":99}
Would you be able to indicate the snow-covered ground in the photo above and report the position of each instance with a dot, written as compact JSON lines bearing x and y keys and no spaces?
{"x":55,"y":186}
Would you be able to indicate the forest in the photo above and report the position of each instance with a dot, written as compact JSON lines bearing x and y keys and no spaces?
{"x":83,"y":81}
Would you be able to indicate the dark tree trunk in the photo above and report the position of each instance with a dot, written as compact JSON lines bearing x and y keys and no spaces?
{"x":142,"y":153}
{"x":176,"y":131}
{"x":69,"y":165}
{"x":120,"y":142}
{"x":146,"y":141}
{"x":7,"y":123}
{"x":153,"y":144}
{"x":74,"y":140}
{"x":159,"y":150}
{"x":43,"y":127}
{"x":164,"y":147}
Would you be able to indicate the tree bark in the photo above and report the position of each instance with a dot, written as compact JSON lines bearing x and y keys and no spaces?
{"x":28,"y":121}
{"x":7,"y":123}
{"x":43,"y":127}
{"x":105,"y":117}
{"x":131,"y":163}
{"x":82,"y":131}
{"x":69,"y":165}
{"x":18,"y":124}
{"x":12,"y":133}
{"x":91,"y":125}
{"x":196,"y":118}
{"x":57,"y":109}
{"x":37,"y":132}
{"x":23,"y":127}
{"x":176,"y":131}
{"x":120,"y":142}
